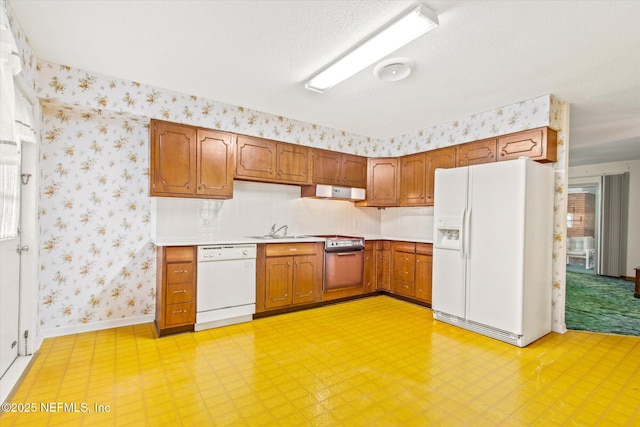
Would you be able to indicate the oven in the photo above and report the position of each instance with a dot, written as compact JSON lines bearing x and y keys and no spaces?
{"x":343,"y":262}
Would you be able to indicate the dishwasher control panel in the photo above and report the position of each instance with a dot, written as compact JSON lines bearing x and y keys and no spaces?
{"x":226,"y":252}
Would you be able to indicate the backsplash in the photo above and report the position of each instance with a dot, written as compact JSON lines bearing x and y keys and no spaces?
{"x":255,"y":207}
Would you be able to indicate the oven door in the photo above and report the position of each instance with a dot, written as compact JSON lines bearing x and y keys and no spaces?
{"x":343,"y":269}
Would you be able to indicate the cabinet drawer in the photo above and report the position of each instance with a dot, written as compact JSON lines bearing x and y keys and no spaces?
{"x":179,"y":253}
{"x":179,"y":293}
{"x":404,"y":266}
{"x":179,"y":314}
{"x":180,"y":272}
{"x":288,"y":249}
{"x":424,"y":248}
{"x":404,"y":287}
{"x":404,"y":247}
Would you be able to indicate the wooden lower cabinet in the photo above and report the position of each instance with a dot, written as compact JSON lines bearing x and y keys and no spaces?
{"x":411,"y":270}
{"x":175,"y":289}
{"x":288,"y":274}
{"x":383,"y":265}
{"x":424,"y":268}
{"x":403,"y":269}
{"x":369,"y":282}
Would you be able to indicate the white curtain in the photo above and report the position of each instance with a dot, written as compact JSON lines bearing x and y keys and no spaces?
{"x":9,"y":141}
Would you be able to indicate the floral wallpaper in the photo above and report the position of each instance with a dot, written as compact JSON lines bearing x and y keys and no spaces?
{"x":97,"y":262}
{"x":559,"y":120}
{"x":62,"y":85}
{"x":96,"y":259}
{"x":527,"y":114}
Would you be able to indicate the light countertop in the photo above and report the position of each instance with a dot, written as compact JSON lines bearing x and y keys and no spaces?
{"x":206,"y":239}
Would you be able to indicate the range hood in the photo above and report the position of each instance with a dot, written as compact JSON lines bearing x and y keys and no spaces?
{"x":321,"y":191}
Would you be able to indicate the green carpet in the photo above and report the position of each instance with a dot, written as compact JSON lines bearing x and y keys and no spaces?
{"x":601,"y":304}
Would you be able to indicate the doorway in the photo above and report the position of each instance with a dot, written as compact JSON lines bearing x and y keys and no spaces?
{"x":18,"y":244}
{"x":583,"y":230}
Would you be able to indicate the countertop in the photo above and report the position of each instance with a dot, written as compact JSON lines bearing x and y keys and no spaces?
{"x":206,"y":239}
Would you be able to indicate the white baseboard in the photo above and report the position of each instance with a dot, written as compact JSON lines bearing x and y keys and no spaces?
{"x":95,"y":326}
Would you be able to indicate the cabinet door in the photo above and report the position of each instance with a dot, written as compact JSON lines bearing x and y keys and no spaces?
{"x":477,"y":152}
{"x":412,"y":180}
{"x":403,"y":273}
{"x":424,"y":265}
{"x":293,"y":163}
{"x":256,"y":158}
{"x":354,"y":171}
{"x":369,"y":284}
{"x":279,"y":282}
{"x":326,"y":167}
{"x":538,"y":144}
{"x":444,"y":158}
{"x":216,"y":161}
{"x":304,"y":274}
{"x":383,"y":182}
{"x":173,"y":159}
{"x":383,"y":266}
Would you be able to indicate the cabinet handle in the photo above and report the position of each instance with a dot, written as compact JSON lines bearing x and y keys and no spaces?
{"x":293,"y":249}
{"x":180,"y":271}
{"x":200,"y":187}
{"x":288,"y":264}
{"x":181,"y":291}
{"x":179,"y":311}
{"x":418,"y":261}
{"x":189,"y":186}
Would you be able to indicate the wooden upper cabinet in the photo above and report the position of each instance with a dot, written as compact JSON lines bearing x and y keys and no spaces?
{"x":216,"y":162}
{"x":261,"y":159}
{"x":477,"y":152}
{"x":354,"y":171}
{"x":293,"y":163}
{"x":538,"y":144}
{"x":191,"y":162}
{"x":256,"y":158}
{"x":333,"y":168}
{"x":412,"y":180}
{"x":443,"y":158}
{"x":173,"y":159}
{"x":383,"y":182}
{"x":326,"y":167}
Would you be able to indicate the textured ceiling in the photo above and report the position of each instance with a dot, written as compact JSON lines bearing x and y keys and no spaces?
{"x":257,"y":54}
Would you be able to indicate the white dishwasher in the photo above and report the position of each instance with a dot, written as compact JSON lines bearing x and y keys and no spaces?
{"x":226,"y":285}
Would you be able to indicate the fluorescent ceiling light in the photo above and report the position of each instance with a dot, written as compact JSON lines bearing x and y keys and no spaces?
{"x":403,"y":30}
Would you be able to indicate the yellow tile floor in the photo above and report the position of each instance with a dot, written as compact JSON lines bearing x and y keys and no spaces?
{"x":376,"y":361}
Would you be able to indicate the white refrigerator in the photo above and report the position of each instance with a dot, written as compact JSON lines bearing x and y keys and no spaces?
{"x":492,"y":251}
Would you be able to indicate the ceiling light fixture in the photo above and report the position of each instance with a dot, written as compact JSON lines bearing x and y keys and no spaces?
{"x":398,"y":33}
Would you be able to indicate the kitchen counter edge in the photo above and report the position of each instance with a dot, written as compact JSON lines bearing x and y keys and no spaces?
{"x":207,"y":240}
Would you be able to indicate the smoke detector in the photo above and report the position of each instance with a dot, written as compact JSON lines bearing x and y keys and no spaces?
{"x":393,"y":69}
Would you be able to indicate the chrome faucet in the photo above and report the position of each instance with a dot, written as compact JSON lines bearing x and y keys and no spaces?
{"x":274,"y":232}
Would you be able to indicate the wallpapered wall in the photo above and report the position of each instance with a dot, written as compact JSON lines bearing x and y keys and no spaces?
{"x":96,"y":259}
{"x":96,"y":262}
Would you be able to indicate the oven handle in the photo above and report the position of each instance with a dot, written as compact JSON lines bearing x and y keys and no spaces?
{"x":346,"y":253}
{"x":341,"y":251}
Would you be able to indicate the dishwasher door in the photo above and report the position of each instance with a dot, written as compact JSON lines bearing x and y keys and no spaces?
{"x":226,"y":286}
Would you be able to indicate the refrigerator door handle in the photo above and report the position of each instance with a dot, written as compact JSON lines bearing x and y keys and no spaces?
{"x":467,"y":233}
{"x":463,"y":233}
